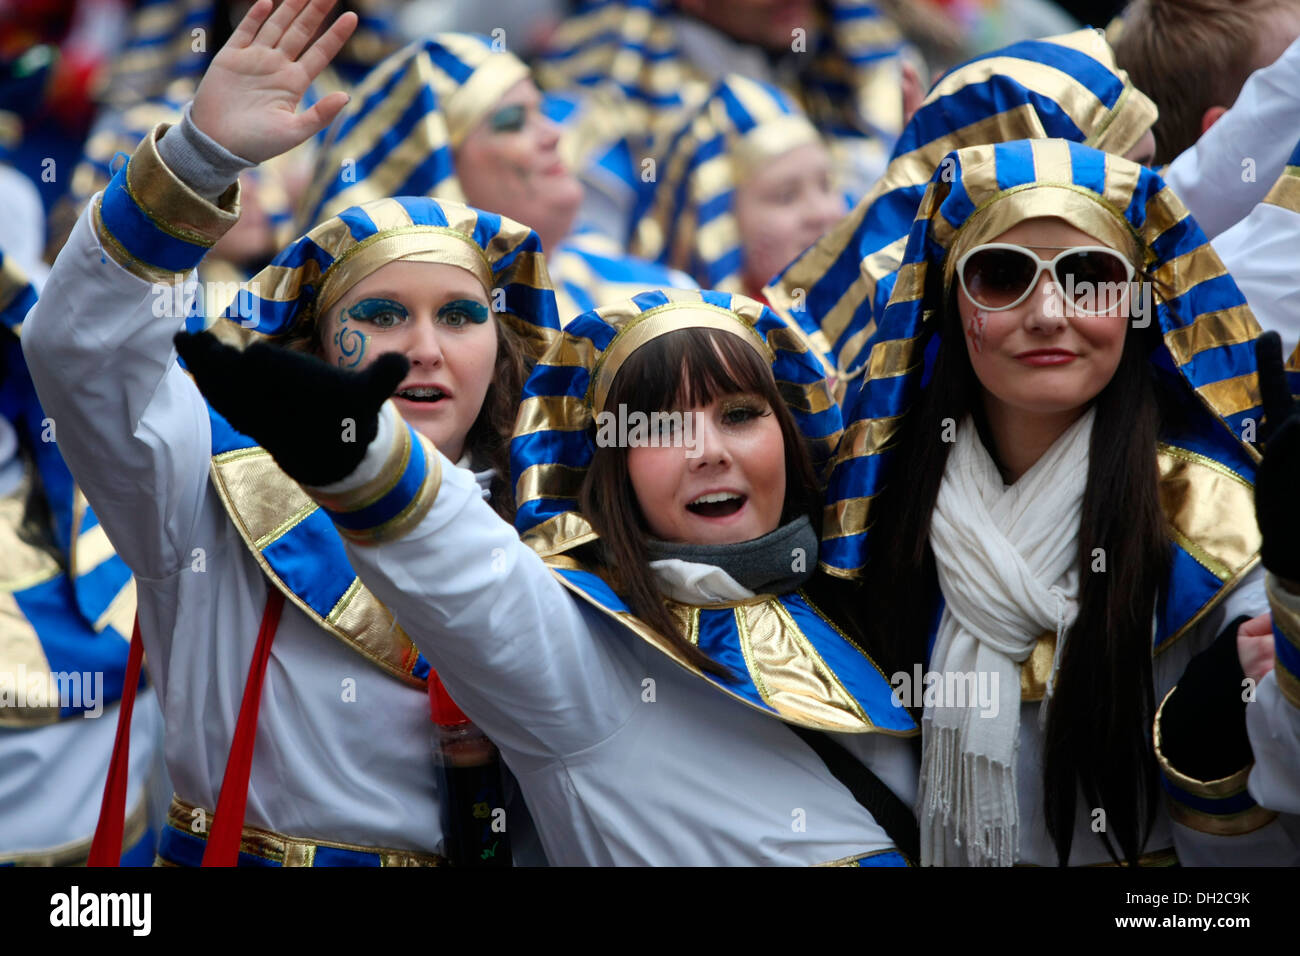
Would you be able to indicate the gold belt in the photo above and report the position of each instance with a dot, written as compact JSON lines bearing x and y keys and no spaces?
{"x":281,"y":849}
{"x":76,"y":853}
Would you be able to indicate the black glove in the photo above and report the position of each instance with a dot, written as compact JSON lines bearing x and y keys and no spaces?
{"x":1203,"y":724}
{"x":314,"y":419}
{"x":1277,"y":506}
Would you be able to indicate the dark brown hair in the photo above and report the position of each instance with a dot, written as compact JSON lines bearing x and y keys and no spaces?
{"x":684,"y":369}
{"x":1098,"y":735}
{"x":1190,"y":55}
{"x":488,"y":439}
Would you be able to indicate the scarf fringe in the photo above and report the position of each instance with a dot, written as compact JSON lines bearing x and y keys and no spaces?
{"x":988,"y":839}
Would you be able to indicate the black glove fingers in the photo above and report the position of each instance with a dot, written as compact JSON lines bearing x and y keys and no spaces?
{"x":384,"y":375}
{"x":1273,"y":384}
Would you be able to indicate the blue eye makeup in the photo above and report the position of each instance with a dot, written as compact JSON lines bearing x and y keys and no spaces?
{"x":377,"y":312}
{"x":459,"y":311}
{"x":508,"y":119}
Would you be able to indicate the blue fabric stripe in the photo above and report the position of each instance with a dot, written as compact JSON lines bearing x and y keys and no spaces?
{"x":369,"y":104}
{"x":856,"y":672}
{"x":572,"y":448}
{"x":1089,"y":72}
{"x":1237,"y":803}
{"x":557,"y":380}
{"x":1014,"y":162}
{"x":335,"y":856}
{"x":71,"y":645}
{"x":311,"y":562}
{"x":397,"y":500}
{"x":892,"y":858}
{"x":1288,"y":655}
{"x":423,"y":210}
{"x":97,"y":587}
{"x":847,"y":553}
{"x":721,"y":642}
{"x":1217,"y":364}
{"x":1189,"y":587}
{"x":978,"y":101}
{"x":185,"y":849}
{"x":137,"y":234}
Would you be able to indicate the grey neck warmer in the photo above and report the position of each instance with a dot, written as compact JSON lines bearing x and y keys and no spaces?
{"x":777,"y":563}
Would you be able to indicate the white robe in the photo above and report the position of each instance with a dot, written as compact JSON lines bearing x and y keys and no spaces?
{"x":343,"y":750}
{"x":624,"y":757}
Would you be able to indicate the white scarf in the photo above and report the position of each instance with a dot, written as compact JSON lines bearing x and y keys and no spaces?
{"x":1007,"y":560}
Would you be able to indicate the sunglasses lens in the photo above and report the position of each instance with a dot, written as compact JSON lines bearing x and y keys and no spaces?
{"x":994,"y":278}
{"x":1097,"y":280}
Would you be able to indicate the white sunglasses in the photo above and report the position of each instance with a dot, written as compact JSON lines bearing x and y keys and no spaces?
{"x":998,"y":276}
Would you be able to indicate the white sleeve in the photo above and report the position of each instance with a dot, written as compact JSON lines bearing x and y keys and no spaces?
{"x":526,"y":661}
{"x":1273,"y":718}
{"x":1260,"y":252}
{"x":132,"y":427}
{"x":1228,"y":170}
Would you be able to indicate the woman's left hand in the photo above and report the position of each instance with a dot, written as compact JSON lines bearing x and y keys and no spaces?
{"x":1255,"y":647}
{"x":1278,"y":475}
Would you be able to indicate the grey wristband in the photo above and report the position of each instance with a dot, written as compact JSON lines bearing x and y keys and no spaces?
{"x":199,"y":161}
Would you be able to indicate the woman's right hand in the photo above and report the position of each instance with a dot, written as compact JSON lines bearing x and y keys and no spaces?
{"x":247,"y":99}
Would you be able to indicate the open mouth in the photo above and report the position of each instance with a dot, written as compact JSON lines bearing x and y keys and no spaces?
{"x":719,"y":504}
{"x":424,"y":394}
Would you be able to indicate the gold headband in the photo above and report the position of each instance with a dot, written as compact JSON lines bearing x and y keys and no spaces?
{"x":470,"y":102}
{"x":655,"y":322}
{"x":771,"y":139}
{"x":1082,"y":209}
{"x":436,"y":244}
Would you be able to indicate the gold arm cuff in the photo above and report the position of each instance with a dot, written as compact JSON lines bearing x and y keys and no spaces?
{"x":171,"y":205}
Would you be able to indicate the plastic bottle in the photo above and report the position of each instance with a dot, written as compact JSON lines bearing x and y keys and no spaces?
{"x":472,"y":797}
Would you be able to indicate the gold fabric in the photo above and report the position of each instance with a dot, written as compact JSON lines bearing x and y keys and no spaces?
{"x":436,"y":244}
{"x":1234,"y":824}
{"x":263,"y":502}
{"x":1286,"y":191}
{"x":1036,"y":669}
{"x":24,"y":669}
{"x":653,"y":323}
{"x":284,"y":849}
{"x":170,"y":205}
{"x":790,"y":675}
{"x":1080,"y":209}
{"x":1287,"y":621}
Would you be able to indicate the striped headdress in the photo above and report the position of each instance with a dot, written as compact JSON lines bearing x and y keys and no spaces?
{"x":1065,"y":87}
{"x":553,"y":443}
{"x":1207,"y":333}
{"x":846,"y":75}
{"x":310,"y":276}
{"x":396,"y":136}
{"x":686,"y":218}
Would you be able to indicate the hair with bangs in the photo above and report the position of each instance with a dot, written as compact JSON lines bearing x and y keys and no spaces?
{"x":683,"y":369}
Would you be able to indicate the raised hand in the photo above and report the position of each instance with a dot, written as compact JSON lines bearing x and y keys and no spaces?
{"x":1277,"y":506}
{"x":248,"y":96}
{"x":315,"y":420}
